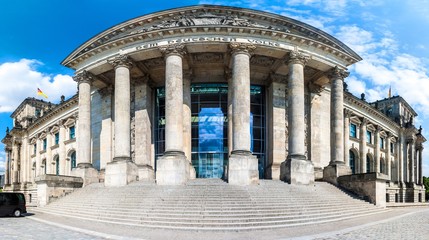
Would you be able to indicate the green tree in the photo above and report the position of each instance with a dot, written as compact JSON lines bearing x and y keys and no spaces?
{"x":426,"y":183}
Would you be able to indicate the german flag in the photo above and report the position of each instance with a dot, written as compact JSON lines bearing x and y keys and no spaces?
{"x":40,"y":93}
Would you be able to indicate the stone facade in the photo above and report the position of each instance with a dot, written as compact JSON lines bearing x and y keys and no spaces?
{"x":136,"y":113}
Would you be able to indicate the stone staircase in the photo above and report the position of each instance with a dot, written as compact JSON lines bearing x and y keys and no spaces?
{"x":211,"y":204}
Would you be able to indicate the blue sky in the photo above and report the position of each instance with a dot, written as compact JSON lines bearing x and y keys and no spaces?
{"x":391,"y":36}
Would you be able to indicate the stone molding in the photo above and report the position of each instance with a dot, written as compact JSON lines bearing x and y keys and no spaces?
{"x":337,"y":73}
{"x":246,"y":48}
{"x":295,"y":57}
{"x":84,"y":77}
{"x":121,"y":61}
{"x":173,"y":49}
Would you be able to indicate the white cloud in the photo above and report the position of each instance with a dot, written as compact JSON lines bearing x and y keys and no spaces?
{"x":21,"y":79}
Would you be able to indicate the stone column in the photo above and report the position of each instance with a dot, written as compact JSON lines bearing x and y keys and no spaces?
{"x":7,"y":168}
{"x":362,"y":147}
{"x":412,"y":163}
{"x":228,"y":76}
{"x":106,"y":134}
{"x":377,"y":149}
{"x":242,"y":165}
{"x":173,"y":167}
{"x":143,"y":129}
{"x":187,"y":121}
{"x":276,"y":123}
{"x":121,"y":170}
{"x":62,"y":148}
{"x":49,"y":159}
{"x":347,"y":114}
{"x":297,"y":169}
{"x":401,"y":155}
{"x":388,"y":156}
{"x":15,"y":176}
{"x":421,"y":165}
{"x":336,"y":166}
{"x":84,"y":168}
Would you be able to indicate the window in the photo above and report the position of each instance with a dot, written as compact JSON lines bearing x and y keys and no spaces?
{"x":353,"y":130}
{"x":34,"y":148}
{"x":73,"y":160}
{"x":57,"y":138}
{"x":382,"y":143}
{"x":71,"y":132}
{"x":57,"y":165}
{"x":352,"y":161}
{"x":368,"y":164}
{"x":368,"y":136}
{"x":45,"y":144}
{"x":392,"y":147}
{"x":382,"y":165}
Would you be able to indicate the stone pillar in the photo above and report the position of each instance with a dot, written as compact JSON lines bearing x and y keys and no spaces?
{"x":401,"y":155}
{"x":106,"y":134}
{"x":49,"y":159}
{"x":347,"y":115}
{"x":276,"y":123}
{"x":228,"y":76}
{"x":412,"y":163}
{"x":62,"y":148}
{"x":187,"y":122}
{"x":242,"y":165}
{"x":388,"y":156}
{"x":297,"y":169}
{"x":337,"y":167}
{"x":421,"y":165}
{"x":84,"y":168}
{"x":362,"y":147}
{"x":377,"y":149}
{"x":7,"y":180}
{"x":15,"y":176}
{"x":143,"y":129}
{"x":173,"y":167}
{"x":121,"y":170}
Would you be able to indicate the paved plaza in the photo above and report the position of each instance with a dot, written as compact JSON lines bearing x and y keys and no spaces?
{"x":405,"y":223}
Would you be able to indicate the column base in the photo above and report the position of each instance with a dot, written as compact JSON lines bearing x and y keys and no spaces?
{"x":297,"y":170}
{"x":146,"y":173}
{"x":334,"y":170}
{"x":120,"y":172}
{"x":243,"y":169}
{"x":192,"y":172}
{"x":172,"y":169}
{"x":86,"y":172}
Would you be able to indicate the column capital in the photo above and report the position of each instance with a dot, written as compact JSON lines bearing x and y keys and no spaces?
{"x":121,"y":61}
{"x":347,"y":113}
{"x":173,"y":49}
{"x":83,"y":77}
{"x":295,"y":57}
{"x":246,"y":48}
{"x":378,"y":129}
{"x":364,"y":121}
{"x":337,"y":73}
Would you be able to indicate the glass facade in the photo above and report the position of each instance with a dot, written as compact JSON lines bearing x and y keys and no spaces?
{"x":209,"y":107}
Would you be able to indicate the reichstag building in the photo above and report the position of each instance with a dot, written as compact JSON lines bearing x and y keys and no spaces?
{"x":214,"y":92}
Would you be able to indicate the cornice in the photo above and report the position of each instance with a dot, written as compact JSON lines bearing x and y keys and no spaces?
{"x":354,"y":101}
{"x":209,"y":19}
{"x":59,"y":108}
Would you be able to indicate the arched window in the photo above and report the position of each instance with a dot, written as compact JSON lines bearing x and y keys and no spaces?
{"x":352,"y":161}
{"x":44,"y":166}
{"x":73,"y":160}
{"x":368,"y":164}
{"x":57,"y":165}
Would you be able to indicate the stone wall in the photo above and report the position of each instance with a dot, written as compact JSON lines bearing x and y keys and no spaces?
{"x":51,"y":187}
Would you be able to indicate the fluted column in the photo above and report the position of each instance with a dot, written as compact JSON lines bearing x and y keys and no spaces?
{"x":347,"y":114}
{"x":84,"y":167}
{"x":297,"y":169}
{"x":84,"y":80}
{"x":122,"y":65}
{"x":336,"y":166}
{"x":388,"y":156}
{"x":362,"y":147}
{"x":121,"y":170}
{"x":173,"y":168}
{"x":377,"y":149}
{"x":242,"y":165}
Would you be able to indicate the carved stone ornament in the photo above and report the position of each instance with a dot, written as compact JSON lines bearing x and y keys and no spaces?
{"x":173,"y":49}
{"x":121,"y":61}
{"x":84,"y":77}
{"x":347,"y":113}
{"x":205,"y":18}
{"x":242,"y":48}
{"x":337,"y":73}
{"x":296,"y":57}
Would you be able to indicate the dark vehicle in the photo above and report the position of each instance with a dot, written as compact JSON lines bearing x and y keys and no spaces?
{"x":12,"y":204}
